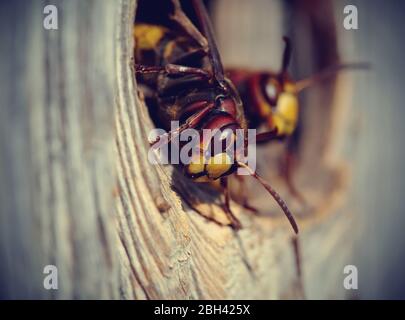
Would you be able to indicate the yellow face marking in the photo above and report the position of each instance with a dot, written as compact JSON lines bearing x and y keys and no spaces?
{"x":218,"y":165}
{"x":196,"y":165}
{"x":147,"y":36}
{"x":264,"y":108}
{"x":286,"y":113}
{"x":215,"y":167}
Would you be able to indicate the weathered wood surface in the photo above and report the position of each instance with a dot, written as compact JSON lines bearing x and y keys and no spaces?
{"x":79,"y":192}
{"x":56,"y":150}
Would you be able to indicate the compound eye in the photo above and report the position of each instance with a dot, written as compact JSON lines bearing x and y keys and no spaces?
{"x":222,"y":141}
{"x":225,"y":134}
{"x":227,"y":138}
{"x":219,"y":165}
{"x":272,"y":89}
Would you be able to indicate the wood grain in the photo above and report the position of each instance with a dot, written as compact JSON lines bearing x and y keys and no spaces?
{"x":57,"y":137}
{"x":79,"y":192}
